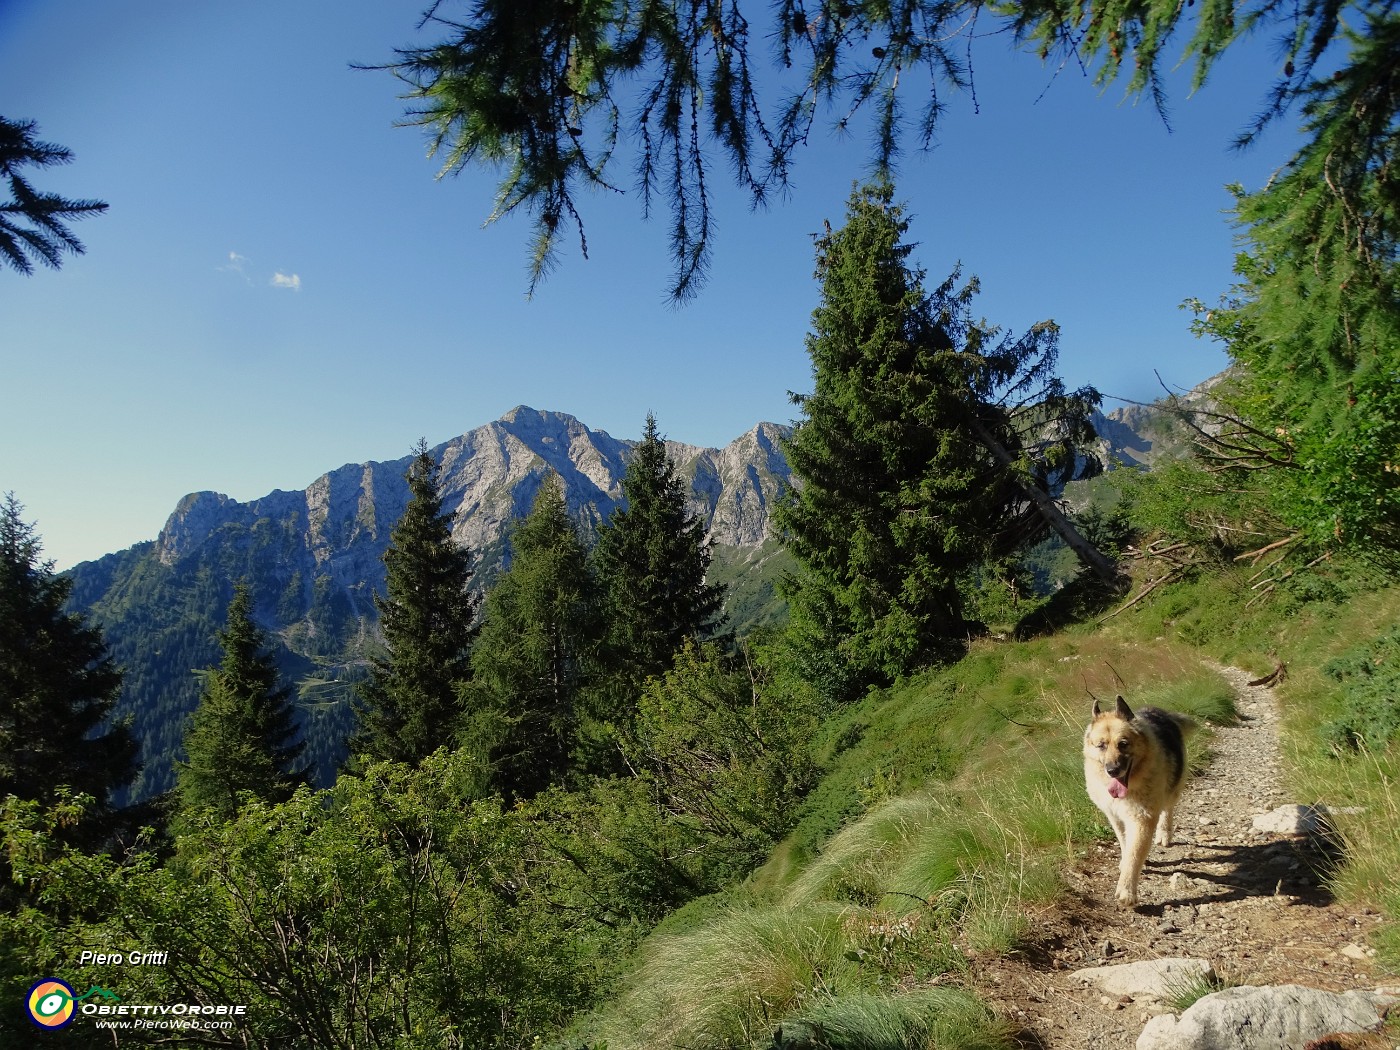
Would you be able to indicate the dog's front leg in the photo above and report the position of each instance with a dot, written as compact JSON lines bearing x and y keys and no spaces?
{"x":1120,"y":830}
{"x":1137,"y":840}
{"x":1165,"y":826}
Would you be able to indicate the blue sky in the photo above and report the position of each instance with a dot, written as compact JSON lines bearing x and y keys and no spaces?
{"x":281,"y":285}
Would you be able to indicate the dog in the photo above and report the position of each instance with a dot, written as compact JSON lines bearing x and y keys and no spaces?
{"x":1134,"y":770}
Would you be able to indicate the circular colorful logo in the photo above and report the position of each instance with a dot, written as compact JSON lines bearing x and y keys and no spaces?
{"x":51,"y":1003}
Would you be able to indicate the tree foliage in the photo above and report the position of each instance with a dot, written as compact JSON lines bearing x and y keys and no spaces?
{"x":923,"y":443}
{"x":652,"y":558}
{"x":394,"y":910}
{"x":242,"y":738}
{"x":33,"y":224}
{"x":1315,"y":317}
{"x":411,"y":703}
{"x":556,"y":94}
{"x":724,"y":748}
{"x":58,"y":683}
{"x":537,"y":654}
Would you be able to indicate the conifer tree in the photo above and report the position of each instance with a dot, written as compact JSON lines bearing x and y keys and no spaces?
{"x":928,"y":448}
{"x":652,"y":558}
{"x":57,"y":682}
{"x":242,"y":736}
{"x":537,"y":652}
{"x":1315,"y":318}
{"x":411,"y":703}
{"x":34,"y":223}
{"x":541,"y":93}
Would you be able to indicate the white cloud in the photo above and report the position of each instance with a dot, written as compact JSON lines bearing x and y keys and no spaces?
{"x":287,"y":280}
{"x":236,"y":264}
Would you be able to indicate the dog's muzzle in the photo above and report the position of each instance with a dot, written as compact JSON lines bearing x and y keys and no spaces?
{"x":1118,"y":777}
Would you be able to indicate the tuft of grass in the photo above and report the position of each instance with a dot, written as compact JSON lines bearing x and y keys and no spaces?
{"x":928,"y":1019}
{"x":1185,"y":992}
{"x":1368,"y":783}
{"x":855,"y":864}
{"x":728,"y":983}
{"x":1208,"y":698}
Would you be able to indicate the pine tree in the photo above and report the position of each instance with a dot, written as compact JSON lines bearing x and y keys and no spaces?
{"x":928,"y":448}
{"x":411,"y":704}
{"x":535,"y":91}
{"x":242,"y":736}
{"x":537,"y":652}
{"x":58,"y":684}
{"x":33,"y":223}
{"x":1315,"y":319}
{"x":652,"y":557}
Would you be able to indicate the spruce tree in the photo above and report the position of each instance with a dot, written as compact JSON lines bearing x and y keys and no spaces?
{"x":928,"y":447}
{"x":652,"y":558}
{"x":58,"y":683}
{"x":242,"y":736}
{"x":34,"y":223}
{"x":537,"y":652}
{"x":535,"y":91}
{"x":1314,"y":413}
{"x":411,"y":703}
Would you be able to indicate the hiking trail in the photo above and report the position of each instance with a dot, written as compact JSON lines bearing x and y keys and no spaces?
{"x":1252,"y":903}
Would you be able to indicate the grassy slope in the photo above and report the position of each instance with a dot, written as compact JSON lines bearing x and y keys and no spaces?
{"x":950,"y":806}
{"x":1336,"y":634}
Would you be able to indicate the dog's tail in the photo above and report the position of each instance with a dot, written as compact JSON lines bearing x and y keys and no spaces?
{"x":1186,"y":724}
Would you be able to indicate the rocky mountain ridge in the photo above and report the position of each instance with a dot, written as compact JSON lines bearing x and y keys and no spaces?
{"x":489,"y":477}
{"x":314,"y":558}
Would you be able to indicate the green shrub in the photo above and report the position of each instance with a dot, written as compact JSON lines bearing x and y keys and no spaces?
{"x":1370,"y":679}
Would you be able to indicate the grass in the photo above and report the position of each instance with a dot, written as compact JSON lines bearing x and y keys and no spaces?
{"x":1186,"y":992}
{"x":1326,"y":628}
{"x":727,"y":983}
{"x":928,"y":1019}
{"x":951,"y":804}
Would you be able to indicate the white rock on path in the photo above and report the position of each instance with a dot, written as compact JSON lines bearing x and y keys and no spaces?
{"x":1158,"y":979}
{"x":1281,"y":1017}
{"x":1299,"y":820}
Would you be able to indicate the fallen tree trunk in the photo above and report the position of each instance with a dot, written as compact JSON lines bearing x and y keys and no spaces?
{"x":1087,"y":553}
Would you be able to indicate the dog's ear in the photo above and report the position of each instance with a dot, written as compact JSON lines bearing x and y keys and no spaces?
{"x":1122,"y":710}
{"x":1097,"y":712}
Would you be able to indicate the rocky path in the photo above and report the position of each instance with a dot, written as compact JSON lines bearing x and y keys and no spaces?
{"x":1252,"y":903}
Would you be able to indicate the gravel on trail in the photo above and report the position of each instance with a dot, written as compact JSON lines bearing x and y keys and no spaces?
{"x":1254,"y":904}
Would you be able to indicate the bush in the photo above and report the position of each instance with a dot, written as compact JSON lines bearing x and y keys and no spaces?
{"x":1370,"y":678}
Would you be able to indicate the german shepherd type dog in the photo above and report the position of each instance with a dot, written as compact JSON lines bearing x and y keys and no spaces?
{"x":1134,"y":769}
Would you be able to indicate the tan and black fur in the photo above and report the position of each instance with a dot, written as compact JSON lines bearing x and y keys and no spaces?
{"x":1135,"y":769}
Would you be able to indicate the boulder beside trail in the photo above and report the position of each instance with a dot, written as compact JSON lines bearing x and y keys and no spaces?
{"x":1157,"y":979}
{"x":1298,"y":819}
{"x":1280,"y":1017}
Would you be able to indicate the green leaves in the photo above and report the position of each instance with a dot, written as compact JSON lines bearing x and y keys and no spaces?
{"x":392,"y":910}
{"x":1315,"y":318}
{"x":555,"y":94}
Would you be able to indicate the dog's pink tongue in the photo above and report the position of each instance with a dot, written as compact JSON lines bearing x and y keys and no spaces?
{"x":1116,"y":787}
